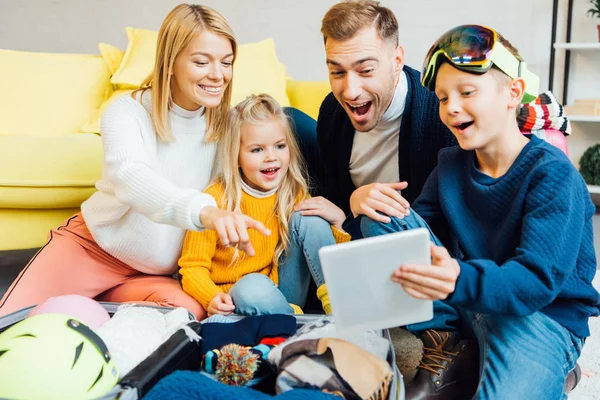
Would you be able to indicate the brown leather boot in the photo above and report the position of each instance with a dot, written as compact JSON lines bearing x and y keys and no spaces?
{"x":449,"y":369}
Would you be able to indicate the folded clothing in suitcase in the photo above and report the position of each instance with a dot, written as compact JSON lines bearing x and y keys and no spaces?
{"x":311,"y":329}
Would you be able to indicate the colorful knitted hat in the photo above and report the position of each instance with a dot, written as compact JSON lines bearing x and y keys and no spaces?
{"x":543,"y":113}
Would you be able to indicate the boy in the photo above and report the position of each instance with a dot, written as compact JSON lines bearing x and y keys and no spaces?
{"x":518,"y":217}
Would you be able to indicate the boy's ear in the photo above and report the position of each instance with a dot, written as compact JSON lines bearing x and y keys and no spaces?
{"x":516,"y":92}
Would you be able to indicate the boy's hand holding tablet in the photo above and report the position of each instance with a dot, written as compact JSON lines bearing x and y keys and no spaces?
{"x":359,"y":277}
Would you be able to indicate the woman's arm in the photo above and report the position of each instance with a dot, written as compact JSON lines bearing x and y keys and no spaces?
{"x":132,"y":170}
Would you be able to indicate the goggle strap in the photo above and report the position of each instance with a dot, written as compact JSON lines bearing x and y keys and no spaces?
{"x":511,"y":66}
{"x":532,"y":90}
{"x":506,"y":61}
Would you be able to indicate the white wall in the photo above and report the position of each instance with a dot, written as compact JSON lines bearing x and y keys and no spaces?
{"x":76,"y":26}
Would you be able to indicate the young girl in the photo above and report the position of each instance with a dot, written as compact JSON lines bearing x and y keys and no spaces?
{"x":262,"y":177}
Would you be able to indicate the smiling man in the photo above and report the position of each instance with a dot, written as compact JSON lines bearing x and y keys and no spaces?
{"x":379,"y":130}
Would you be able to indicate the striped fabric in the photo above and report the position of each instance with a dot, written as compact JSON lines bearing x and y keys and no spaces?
{"x":543,"y":113}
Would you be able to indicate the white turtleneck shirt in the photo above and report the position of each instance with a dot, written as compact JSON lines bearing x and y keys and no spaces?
{"x":151,"y":191}
{"x":374,"y":156}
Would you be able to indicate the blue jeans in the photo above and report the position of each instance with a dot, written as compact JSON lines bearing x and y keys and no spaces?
{"x":520,"y":357}
{"x":523,"y":357}
{"x":301,"y":261}
{"x":256,"y":294}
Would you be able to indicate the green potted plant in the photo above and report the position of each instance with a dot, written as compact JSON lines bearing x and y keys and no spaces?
{"x":594,"y":11}
{"x":589,"y":165}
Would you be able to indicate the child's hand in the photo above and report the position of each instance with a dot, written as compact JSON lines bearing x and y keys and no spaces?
{"x":220,"y":304}
{"x":232,"y":227}
{"x":430,"y":282}
{"x":323,"y":208}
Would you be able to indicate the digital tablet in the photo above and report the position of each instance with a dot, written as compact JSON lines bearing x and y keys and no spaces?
{"x":358,"y":277}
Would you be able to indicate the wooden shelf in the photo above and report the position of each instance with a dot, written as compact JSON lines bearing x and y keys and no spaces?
{"x":595,"y":193}
{"x":577,"y":46}
{"x":583,"y":118}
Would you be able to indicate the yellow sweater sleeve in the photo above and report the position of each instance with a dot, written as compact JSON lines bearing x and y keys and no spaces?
{"x":195,"y":263}
{"x":339,"y":235}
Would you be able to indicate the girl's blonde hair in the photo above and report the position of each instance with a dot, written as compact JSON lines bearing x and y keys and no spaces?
{"x":256,"y":110}
{"x":178,"y":29}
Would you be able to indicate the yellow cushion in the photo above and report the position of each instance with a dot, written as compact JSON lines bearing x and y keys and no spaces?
{"x":49,"y":94}
{"x":48,"y":172}
{"x":307,"y":96}
{"x":112,"y":56}
{"x":138,"y":60}
{"x":257,"y":70}
{"x":93,"y":126}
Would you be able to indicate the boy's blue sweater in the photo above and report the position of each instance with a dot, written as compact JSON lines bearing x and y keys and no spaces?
{"x":526,"y":237}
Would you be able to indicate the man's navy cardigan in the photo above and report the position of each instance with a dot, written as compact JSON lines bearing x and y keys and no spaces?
{"x":422,"y":135}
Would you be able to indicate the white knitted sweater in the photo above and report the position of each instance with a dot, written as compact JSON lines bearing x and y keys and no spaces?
{"x":150,"y":191}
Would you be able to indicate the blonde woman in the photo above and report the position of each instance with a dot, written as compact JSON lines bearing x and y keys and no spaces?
{"x":261,"y":176}
{"x":159,"y":148}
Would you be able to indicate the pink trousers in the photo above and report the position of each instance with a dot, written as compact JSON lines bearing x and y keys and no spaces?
{"x":72,"y":263}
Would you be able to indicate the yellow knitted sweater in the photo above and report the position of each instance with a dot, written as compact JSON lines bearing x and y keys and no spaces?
{"x":207,"y":267}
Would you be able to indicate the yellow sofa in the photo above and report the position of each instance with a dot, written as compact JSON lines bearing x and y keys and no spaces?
{"x":50,"y":108}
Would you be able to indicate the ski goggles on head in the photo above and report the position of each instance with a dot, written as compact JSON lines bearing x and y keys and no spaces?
{"x":474,"y":49}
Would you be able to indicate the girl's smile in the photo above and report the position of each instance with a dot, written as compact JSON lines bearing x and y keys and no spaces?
{"x":264,"y":155}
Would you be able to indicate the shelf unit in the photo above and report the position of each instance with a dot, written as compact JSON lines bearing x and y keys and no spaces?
{"x":595,"y":193}
{"x":577,"y":46}
{"x":567,"y":46}
{"x":594,"y":189}
{"x":583,"y":118}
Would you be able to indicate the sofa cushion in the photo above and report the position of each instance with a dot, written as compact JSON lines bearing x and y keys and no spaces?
{"x":112,"y":55}
{"x":307,"y":95}
{"x":49,"y":94}
{"x":257,"y":70}
{"x":48,"y":172}
{"x":138,"y":60}
{"x":93,"y":125}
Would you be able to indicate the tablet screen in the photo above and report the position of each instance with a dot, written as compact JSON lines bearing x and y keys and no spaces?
{"x":358,"y":277}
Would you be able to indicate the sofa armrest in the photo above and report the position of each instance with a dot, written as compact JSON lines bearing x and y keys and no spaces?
{"x":307,"y":96}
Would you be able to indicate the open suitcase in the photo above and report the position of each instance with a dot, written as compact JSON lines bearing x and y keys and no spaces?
{"x":179,"y":353}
